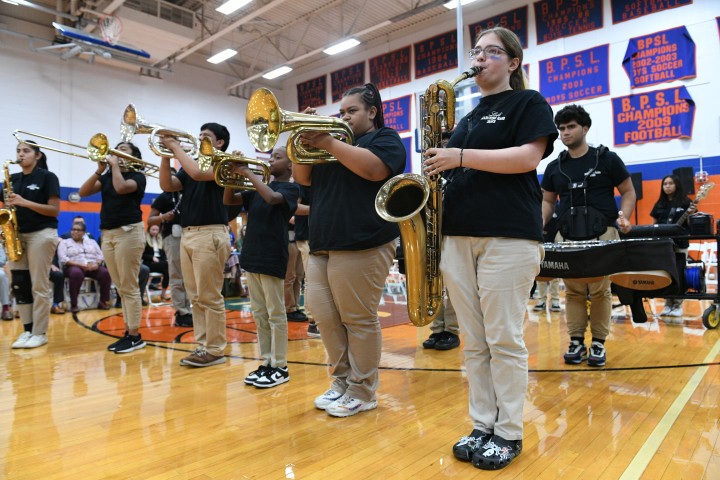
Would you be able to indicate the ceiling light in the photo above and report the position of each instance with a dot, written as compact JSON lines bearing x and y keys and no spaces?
{"x":222,"y":56}
{"x":278,"y":72}
{"x":342,"y":46}
{"x":454,"y":3}
{"x":231,"y":5}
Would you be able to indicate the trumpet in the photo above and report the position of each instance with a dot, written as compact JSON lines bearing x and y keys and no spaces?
{"x":97,"y":150}
{"x":223,"y":163}
{"x":132,"y":124}
{"x":265,"y":121}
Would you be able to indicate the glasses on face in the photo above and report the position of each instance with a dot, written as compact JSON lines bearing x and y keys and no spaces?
{"x":77,"y":230}
{"x":489,"y":51}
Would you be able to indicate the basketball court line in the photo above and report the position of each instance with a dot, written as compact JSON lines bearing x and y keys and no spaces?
{"x":642,"y":459}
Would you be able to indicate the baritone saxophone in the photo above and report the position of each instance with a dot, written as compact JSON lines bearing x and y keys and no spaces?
{"x":415,"y":203}
{"x":9,"y":232}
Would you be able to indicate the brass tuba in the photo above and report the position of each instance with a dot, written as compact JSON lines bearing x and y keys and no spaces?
{"x":8,"y":221}
{"x":265,"y":121}
{"x":415,"y":203}
{"x":222,"y":164}
{"x":132,"y":124}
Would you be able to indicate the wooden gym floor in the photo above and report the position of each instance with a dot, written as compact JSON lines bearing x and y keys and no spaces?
{"x":71,"y":409}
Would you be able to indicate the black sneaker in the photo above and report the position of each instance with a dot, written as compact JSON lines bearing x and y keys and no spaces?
{"x":255,"y":374}
{"x":273,"y":377}
{"x":577,"y":352}
{"x":468,"y":446}
{"x":597,"y":355}
{"x":114,"y":345}
{"x":497,"y":453}
{"x":432,"y":340}
{"x":129,"y":344}
{"x":447,"y":341}
{"x":313,"y":330}
{"x":296,"y":316}
{"x":183,"y":320}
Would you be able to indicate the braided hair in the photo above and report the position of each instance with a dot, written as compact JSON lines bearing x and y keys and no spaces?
{"x":370,"y":97}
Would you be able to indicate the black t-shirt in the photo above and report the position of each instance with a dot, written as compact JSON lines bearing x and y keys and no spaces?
{"x":664,"y":213}
{"x":484,"y":204}
{"x":265,"y":248}
{"x":167,"y":202}
{"x":601,"y":181}
{"x":119,"y":210}
{"x":302,"y":230}
{"x":202,"y":202}
{"x":37,"y":186}
{"x":343,"y":215}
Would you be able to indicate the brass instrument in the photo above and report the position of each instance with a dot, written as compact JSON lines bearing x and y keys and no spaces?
{"x":97,"y":150}
{"x":223,"y":163}
{"x":132,"y":124}
{"x":415,"y":203}
{"x":265,"y":121}
{"x":9,"y":230}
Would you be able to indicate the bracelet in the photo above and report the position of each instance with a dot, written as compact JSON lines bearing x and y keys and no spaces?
{"x":461,"y":155}
{"x":98,"y":174}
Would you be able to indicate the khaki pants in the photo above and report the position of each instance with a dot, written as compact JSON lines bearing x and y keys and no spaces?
{"x":203,"y":253}
{"x":344,"y":292}
{"x":293,"y":278}
{"x":303,"y":247}
{"x":446,"y":321}
{"x":576,"y":295}
{"x":268,"y":307}
{"x":489,"y":280}
{"x":180,"y":302}
{"x":39,"y":248}
{"x":123,"y":248}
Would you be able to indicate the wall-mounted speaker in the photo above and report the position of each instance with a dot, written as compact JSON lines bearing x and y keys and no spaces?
{"x":687,"y":178}
{"x":637,"y":184}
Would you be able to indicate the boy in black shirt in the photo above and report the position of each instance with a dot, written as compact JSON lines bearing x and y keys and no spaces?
{"x":264,"y":257}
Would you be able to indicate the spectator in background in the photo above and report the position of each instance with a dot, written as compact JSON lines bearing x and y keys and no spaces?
{"x":7,"y":313}
{"x":154,"y":257}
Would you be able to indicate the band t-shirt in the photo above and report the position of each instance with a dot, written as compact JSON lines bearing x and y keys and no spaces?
{"x":666,"y":214}
{"x":601,"y":181}
{"x":119,"y":210}
{"x":343,"y":215}
{"x":302,"y":232}
{"x":167,"y":202}
{"x":265,"y":248}
{"x":37,"y":186}
{"x":484,"y":204}
{"x":202,"y":202}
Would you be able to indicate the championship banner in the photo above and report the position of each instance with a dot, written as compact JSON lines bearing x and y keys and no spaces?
{"x":391,"y":68}
{"x":436,"y":54}
{"x":653,"y":116}
{"x":312,"y":93}
{"x":576,"y":76}
{"x":660,"y":57}
{"x":346,"y":78}
{"x":563,"y":18}
{"x":514,"y":20}
{"x":623,"y":10}
{"x":396,"y":113}
{"x":407,"y":142}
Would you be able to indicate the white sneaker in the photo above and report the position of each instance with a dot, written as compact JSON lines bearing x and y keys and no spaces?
{"x":555,"y":306}
{"x":675,"y":312}
{"x":36,"y":341}
{"x":347,"y":406}
{"x":666,"y":310}
{"x":22,"y":340}
{"x":324,"y":400}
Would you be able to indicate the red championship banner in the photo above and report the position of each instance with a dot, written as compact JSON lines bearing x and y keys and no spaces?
{"x":312,"y":93}
{"x":653,"y":116}
{"x":623,"y":10}
{"x":391,"y":68}
{"x":436,"y":54}
{"x":346,"y":78}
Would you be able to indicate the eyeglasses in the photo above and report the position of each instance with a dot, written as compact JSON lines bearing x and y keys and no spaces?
{"x":489,"y":51}
{"x":77,"y":230}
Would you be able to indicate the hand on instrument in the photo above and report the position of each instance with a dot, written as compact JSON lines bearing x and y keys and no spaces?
{"x":623,"y":225}
{"x":15,"y":200}
{"x":171,"y":143}
{"x":438,"y":160}
{"x":167,"y":216}
{"x":316,"y":139}
{"x":242,"y":169}
{"x":692,"y":209}
{"x":310,"y":111}
{"x":113,"y":161}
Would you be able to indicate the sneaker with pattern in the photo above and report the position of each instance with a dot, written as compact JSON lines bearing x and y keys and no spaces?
{"x":255,"y":374}
{"x":497,"y":453}
{"x":577,"y":352}
{"x":272,"y":377}
{"x":470,"y":445}
{"x":597,"y":355}
{"x":347,"y":406}
{"x":324,"y":400}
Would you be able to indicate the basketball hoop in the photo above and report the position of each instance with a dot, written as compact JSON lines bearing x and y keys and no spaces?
{"x":111,"y":28}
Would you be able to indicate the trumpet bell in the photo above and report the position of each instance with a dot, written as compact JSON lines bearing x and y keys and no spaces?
{"x":132,"y":124}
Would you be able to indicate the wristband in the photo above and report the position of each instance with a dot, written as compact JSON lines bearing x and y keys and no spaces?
{"x":461,"y":155}
{"x":98,"y":174}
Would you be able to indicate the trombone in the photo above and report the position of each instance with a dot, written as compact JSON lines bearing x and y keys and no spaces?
{"x":265,"y":121}
{"x":223,"y":164}
{"x":97,"y":150}
{"x":132,"y":124}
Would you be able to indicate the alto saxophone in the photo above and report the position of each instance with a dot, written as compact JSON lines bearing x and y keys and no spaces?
{"x":415,"y":203}
{"x":9,"y":233}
